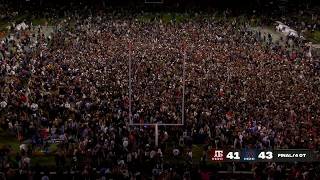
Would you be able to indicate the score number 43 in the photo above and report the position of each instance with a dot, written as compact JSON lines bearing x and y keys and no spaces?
{"x":265,"y":155}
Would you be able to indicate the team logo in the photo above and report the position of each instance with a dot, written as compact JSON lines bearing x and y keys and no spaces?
{"x":217,"y":155}
{"x":249,"y":155}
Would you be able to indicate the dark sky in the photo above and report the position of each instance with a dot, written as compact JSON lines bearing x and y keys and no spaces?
{"x":241,"y":4}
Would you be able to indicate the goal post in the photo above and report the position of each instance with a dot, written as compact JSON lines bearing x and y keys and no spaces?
{"x":156,"y":125}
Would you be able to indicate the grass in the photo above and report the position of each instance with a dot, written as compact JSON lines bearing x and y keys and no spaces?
{"x":38,"y":157}
{"x":3,"y":25}
{"x":144,"y":19}
{"x":18,"y":19}
{"x":41,"y":21}
{"x":314,"y":36}
{"x":47,"y":160}
{"x":3,"y":28}
{"x":44,"y":161}
{"x":197,"y":152}
{"x":6,"y":140}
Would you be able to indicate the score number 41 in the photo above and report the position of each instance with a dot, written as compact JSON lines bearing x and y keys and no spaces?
{"x":233,"y":155}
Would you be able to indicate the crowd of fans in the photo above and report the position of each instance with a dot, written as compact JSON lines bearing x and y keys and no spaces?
{"x":242,"y":88}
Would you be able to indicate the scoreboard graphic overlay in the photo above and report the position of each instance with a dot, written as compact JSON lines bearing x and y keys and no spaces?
{"x":254,"y":155}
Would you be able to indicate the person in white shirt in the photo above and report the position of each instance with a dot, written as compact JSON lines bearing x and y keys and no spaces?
{"x":3,"y":104}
